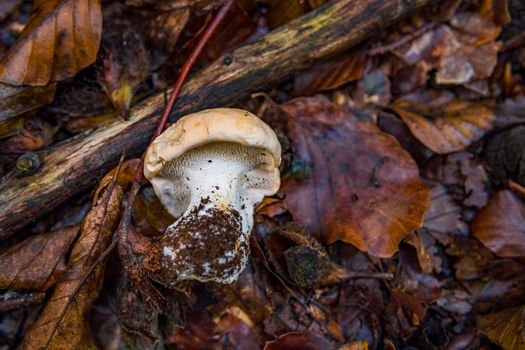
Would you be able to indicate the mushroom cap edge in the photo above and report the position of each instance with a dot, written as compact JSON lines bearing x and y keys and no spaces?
{"x":210,"y":125}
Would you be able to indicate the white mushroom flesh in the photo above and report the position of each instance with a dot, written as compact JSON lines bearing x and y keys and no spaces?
{"x":216,"y":186}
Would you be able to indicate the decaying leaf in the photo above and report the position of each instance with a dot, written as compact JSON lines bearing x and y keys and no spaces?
{"x":332,"y":73}
{"x":504,"y":154}
{"x":464,"y":50}
{"x":15,"y":101}
{"x":443,"y":124}
{"x":8,"y":6}
{"x":506,"y":328}
{"x":36,"y":262}
{"x":365,"y":189}
{"x":62,"y":322}
{"x":61,"y":38}
{"x":500,"y":226}
{"x":298,"y":341}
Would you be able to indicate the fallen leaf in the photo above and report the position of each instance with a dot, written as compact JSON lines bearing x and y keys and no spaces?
{"x":355,"y":345}
{"x":500,"y":226}
{"x":235,"y":328}
{"x":443,"y":217}
{"x":8,"y":6}
{"x":15,"y":101}
{"x":36,"y":262}
{"x":162,"y":31}
{"x":62,"y":322}
{"x":504,"y":154}
{"x":61,"y":38}
{"x":298,"y":341}
{"x":283,"y":11}
{"x":365,"y":189}
{"x":443,"y":124}
{"x":332,"y":74}
{"x":505,"y":328}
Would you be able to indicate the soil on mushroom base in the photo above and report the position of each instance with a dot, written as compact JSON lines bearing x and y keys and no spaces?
{"x":208,"y":242}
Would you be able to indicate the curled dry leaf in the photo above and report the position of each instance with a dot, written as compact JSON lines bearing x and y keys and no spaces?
{"x":36,"y":262}
{"x":500,"y":226}
{"x":364,"y":190}
{"x":442,"y":124}
{"x":61,"y":38}
{"x":62,"y":322}
{"x":505,"y":328}
{"x":298,"y":341}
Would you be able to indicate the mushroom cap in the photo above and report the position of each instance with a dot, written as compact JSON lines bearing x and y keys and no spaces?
{"x":210,"y":125}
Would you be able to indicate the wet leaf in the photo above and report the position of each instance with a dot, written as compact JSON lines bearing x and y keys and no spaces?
{"x":61,"y":38}
{"x":500,"y":226}
{"x":505,"y":155}
{"x":36,"y":262}
{"x":443,"y":124}
{"x":62,"y":322}
{"x":443,"y":217}
{"x":162,"y":31}
{"x":333,"y":73}
{"x":235,"y":328}
{"x":505,"y":328}
{"x":8,"y":6}
{"x":298,"y":341}
{"x":365,"y":189}
{"x":15,"y":101}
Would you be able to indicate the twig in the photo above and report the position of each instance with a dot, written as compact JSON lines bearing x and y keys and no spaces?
{"x":516,"y":187}
{"x":405,"y":39}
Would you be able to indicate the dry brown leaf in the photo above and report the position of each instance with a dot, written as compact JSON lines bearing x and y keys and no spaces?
{"x":506,"y":328}
{"x":35,"y":262}
{"x":355,"y":345}
{"x":298,"y":341}
{"x":500,"y":226}
{"x":443,"y":124}
{"x":61,"y":38}
{"x":62,"y":323}
{"x":333,"y":73}
{"x":365,"y":189}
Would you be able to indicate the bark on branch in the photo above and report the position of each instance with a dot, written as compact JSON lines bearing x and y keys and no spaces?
{"x":75,"y":165}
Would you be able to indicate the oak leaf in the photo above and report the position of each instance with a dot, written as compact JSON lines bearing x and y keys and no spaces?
{"x":364,"y":189}
{"x":61,"y":38}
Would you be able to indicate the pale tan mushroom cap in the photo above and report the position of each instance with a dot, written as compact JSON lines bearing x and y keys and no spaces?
{"x":210,"y":125}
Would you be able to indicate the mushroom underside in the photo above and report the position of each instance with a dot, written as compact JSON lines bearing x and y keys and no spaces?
{"x":212,"y":189}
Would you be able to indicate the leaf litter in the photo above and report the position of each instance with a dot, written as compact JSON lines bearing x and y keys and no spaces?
{"x":399,"y":223}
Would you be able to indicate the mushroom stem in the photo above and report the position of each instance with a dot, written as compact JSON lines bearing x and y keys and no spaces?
{"x":209,"y":242}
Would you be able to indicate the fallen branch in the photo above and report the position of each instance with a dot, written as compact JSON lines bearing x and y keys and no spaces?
{"x":75,"y":165}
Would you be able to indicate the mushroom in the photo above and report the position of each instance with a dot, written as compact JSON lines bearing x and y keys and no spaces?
{"x":210,"y":169}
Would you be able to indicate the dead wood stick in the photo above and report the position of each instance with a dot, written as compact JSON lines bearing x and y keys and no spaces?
{"x":75,"y":165}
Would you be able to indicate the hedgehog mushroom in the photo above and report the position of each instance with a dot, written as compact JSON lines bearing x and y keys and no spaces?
{"x":210,"y":169}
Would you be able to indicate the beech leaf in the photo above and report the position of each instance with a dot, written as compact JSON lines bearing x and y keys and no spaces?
{"x":442,"y":124}
{"x":61,"y":38}
{"x":62,"y":323}
{"x":34,"y":262}
{"x":364,"y":189}
{"x":500,"y":226}
{"x":505,"y":328}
